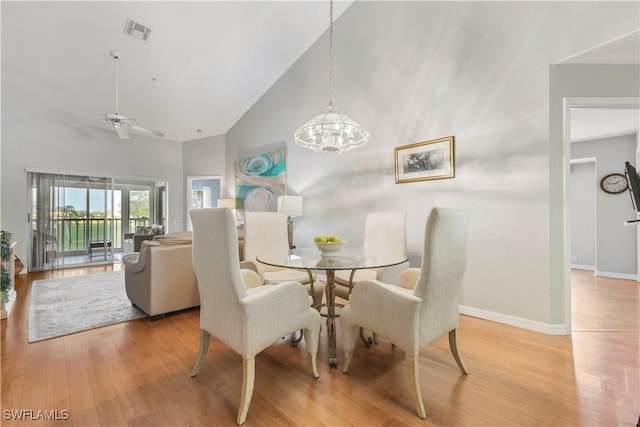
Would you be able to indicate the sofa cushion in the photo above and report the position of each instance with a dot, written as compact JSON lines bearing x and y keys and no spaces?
{"x":142,"y":230}
{"x":156,"y":229}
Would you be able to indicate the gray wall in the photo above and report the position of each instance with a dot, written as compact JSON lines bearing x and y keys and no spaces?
{"x":436,"y":69}
{"x":616,"y":249}
{"x":583,"y":215}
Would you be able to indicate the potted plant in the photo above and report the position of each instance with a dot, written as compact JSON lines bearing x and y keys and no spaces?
{"x":5,"y":255}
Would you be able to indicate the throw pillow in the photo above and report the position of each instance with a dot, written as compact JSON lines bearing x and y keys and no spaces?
{"x":142,"y":230}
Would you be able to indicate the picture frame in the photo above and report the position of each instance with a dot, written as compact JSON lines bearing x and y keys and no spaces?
{"x":424,"y":161}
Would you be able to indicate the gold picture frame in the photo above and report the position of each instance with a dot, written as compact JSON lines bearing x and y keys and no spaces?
{"x":425,"y":161}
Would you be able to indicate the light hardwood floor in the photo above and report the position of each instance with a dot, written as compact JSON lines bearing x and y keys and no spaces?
{"x":137,"y":373}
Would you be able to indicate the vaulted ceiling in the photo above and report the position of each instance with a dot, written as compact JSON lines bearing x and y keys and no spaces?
{"x":203,"y":65}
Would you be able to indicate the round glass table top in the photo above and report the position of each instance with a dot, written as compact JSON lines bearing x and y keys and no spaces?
{"x":345,"y":259}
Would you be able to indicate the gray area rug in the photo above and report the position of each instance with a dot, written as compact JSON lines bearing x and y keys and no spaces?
{"x":73,"y":304}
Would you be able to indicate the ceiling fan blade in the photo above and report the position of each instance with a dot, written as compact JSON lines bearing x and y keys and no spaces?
{"x":122,"y":132}
{"x":146,"y":131}
{"x":117,"y":121}
{"x":87,"y":115}
{"x":83,"y":124}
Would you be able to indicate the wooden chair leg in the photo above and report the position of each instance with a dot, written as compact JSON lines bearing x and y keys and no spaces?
{"x":347,"y":361}
{"x":313,"y":364}
{"x":414,"y":383}
{"x":204,"y":347}
{"x":248,"y":380}
{"x":455,"y":350}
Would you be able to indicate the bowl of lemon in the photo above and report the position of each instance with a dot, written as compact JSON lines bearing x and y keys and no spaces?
{"x":329,"y":245}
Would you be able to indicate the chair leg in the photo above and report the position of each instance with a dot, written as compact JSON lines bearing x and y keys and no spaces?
{"x":295,"y":340}
{"x":348,"y":355}
{"x":204,"y":347}
{"x":313,"y":364}
{"x":248,"y":380}
{"x":455,"y":350}
{"x":369,"y":340}
{"x":414,"y":383}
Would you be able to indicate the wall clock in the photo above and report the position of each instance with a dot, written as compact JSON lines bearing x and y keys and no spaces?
{"x":614,"y":183}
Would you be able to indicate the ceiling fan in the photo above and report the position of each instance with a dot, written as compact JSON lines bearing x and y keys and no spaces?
{"x":117,"y":121}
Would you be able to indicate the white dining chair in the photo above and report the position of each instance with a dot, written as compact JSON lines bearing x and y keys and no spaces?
{"x":268,"y":232}
{"x":412,"y":318}
{"x":385,"y":234}
{"x":246,"y":320}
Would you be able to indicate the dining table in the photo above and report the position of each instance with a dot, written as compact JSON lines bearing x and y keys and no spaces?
{"x":311,"y":259}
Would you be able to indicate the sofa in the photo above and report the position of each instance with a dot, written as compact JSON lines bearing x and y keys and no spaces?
{"x":160,"y":278}
{"x":144,"y":233}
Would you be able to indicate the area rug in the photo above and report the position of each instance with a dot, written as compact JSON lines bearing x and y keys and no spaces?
{"x":73,"y":304}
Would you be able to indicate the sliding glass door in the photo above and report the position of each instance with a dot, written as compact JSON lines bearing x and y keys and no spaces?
{"x":79,"y":220}
{"x":73,"y":220}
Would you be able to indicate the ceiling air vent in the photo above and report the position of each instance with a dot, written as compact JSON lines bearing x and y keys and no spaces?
{"x":136,"y":30}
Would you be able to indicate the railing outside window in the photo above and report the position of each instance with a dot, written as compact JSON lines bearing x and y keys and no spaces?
{"x":74,"y":234}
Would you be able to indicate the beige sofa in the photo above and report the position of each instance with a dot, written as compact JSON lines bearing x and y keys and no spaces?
{"x":160,"y":278}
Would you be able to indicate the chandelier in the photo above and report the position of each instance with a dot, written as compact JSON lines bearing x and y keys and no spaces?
{"x":331,"y":132}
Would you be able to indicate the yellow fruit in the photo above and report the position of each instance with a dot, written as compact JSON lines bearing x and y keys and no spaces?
{"x":329,"y":238}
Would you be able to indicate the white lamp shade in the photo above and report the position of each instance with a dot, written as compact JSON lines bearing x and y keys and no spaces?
{"x":227,"y":203}
{"x":291,"y":205}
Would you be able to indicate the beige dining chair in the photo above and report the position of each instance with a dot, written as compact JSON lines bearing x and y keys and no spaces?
{"x":246,"y":320}
{"x":414,"y":318}
{"x":267,"y":232}
{"x":385,"y":233}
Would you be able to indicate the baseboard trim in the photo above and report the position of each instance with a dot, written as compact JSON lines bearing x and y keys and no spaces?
{"x":532,"y":325}
{"x":617,"y":275}
{"x":583,"y":267}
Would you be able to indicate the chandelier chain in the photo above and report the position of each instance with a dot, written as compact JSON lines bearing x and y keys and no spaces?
{"x":331,"y":55}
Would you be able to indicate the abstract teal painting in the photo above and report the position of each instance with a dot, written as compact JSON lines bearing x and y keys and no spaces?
{"x":261,"y":179}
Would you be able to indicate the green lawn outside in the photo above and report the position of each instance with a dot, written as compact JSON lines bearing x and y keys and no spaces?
{"x":71,"y":234}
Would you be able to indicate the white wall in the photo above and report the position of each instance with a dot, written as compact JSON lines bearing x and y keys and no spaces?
{"x":616,"y":243}
{"x":204,"y":157}
{"x":583,"y":215}
{"x":414,"y":71}
{"x":95,"y":151}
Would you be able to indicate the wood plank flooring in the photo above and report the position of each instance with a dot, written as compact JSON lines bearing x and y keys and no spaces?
{"x":137,"y":373}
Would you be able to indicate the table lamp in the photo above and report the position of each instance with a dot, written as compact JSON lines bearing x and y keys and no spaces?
{"x":228,"y":203}
{"x":292,"y":206}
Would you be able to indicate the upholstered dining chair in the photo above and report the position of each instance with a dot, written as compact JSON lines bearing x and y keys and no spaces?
{"x":246,"y":320}
{"x":414,"y":318}
{"x":384,"y":233}
{"x":268,"y":231}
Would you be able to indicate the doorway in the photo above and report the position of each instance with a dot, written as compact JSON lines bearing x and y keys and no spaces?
{"x":202,"y":192}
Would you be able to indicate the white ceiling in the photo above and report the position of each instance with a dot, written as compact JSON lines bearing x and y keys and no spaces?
{"x":204,"y":65}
